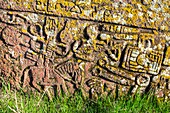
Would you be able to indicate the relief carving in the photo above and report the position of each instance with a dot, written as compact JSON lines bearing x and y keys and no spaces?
{"x":98,"y":47}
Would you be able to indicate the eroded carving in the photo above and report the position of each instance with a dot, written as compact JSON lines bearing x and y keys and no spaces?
{"x":96,"y":46}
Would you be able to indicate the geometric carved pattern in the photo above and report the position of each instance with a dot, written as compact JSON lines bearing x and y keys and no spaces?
{"x":96,"y":46}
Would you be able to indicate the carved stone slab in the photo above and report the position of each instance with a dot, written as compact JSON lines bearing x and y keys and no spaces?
{"x":101,"y":47}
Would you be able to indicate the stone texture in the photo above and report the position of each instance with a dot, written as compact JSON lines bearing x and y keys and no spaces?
{"x":100,"y":47}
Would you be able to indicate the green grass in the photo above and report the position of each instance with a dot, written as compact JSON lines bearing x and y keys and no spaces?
{"x":17,"y":101}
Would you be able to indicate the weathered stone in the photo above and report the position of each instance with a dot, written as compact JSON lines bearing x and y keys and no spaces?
{"x":101,"y":47}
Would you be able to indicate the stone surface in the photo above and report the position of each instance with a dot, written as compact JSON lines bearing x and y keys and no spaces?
{"x":100,"y":47}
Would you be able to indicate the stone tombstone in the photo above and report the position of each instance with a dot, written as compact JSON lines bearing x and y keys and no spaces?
{"x":99,"y":47}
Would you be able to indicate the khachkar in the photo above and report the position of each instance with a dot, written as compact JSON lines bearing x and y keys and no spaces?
{"x":100,"y":47}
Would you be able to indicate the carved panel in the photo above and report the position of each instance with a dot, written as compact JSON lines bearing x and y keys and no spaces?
{"x":100,"y":47}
